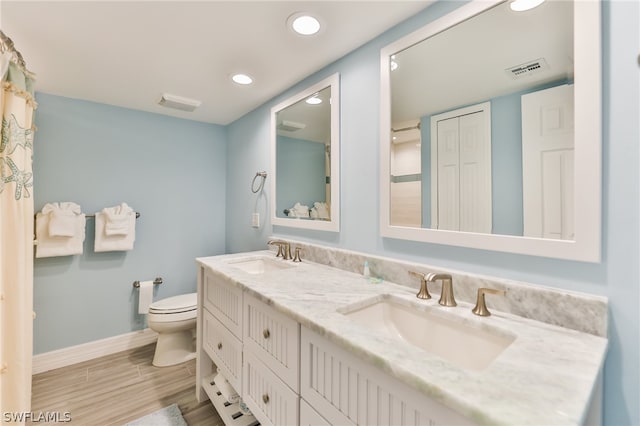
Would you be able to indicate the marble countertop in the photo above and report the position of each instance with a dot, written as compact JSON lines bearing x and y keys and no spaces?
{"x":544,"y":377}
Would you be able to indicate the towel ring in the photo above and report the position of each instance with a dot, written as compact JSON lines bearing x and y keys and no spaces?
{"x":263,"y":175}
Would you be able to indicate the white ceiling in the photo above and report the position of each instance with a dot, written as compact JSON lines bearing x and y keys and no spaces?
{"x":127,"y":53}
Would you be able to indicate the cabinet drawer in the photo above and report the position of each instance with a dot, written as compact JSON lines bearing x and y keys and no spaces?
{"x":347,"y":390}
{"x":270,"y":400}
{"x":274,"y":338}
{"x":224,"y":301}
{"x":224,"y":349}
{"x":310,"y":417}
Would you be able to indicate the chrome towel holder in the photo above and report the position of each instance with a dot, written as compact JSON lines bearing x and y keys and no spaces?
{"x":157,"y":281}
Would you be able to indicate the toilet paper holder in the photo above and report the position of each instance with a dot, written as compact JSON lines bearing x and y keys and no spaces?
{"x":157,"y":281}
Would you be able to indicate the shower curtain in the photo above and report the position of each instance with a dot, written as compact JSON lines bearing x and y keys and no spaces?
{"x":16,"y":239}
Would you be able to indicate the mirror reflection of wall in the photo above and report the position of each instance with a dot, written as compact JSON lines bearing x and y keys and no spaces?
{"x":497,"y":57}
{"x":303,"y":145}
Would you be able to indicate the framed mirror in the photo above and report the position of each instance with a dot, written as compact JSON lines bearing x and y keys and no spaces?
{"x":491,"y":130}
{"x":305,"y":158}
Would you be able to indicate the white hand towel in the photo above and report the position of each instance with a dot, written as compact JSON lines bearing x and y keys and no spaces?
{"x":62,"y":218}
{"x":117,"y":241}
{"x":118,"y":220}
{"x":49,"y":246}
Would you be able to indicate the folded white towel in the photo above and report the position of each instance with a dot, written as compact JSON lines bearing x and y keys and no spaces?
{"x":122,"y":233}
{"x":118,"y":220}
{"x":60,"y":243}
{"x":299,"y":210}
{"x":320,"y":210}
{"x":62,"y":218}
{"x":225,"y":388}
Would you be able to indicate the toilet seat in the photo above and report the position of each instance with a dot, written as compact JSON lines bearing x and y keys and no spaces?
{"x":176,"y":308}
{"x":175,"y":304}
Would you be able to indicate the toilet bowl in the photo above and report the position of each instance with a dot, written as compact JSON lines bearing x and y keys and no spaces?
{"x":174,"y":319}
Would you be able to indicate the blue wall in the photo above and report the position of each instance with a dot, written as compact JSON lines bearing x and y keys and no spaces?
{"x":616,"y":277}
{"x":170,"y":170}
{"x":301,"y":173}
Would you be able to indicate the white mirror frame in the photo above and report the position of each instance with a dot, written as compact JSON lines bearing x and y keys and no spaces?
{"x":332,"y":225}
{"x":588,"y":136}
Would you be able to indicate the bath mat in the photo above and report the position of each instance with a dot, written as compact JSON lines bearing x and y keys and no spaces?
{"x":167,"y":416}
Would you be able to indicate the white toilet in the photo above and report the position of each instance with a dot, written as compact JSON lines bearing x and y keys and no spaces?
{"x":174,"y":319}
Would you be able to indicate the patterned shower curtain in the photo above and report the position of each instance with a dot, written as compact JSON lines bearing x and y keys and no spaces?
{"x":16,"y":239}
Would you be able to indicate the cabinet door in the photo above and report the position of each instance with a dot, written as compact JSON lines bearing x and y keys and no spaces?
{"x":310,"y":417}
{"x":274,"y":338}
{"x":270,"y":400}
{"x":224,"y":349}
{"x":224,"y":301}
{"x":347,"y":390}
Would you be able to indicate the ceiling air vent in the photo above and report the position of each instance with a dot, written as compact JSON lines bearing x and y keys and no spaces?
{"x":527,"y":69}
{"x":178,"y":102}
{"x":290,"y":126}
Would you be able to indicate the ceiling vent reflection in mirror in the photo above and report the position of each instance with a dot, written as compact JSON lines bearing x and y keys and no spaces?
{"x":528,"y":68}
{"x":291,"y":126}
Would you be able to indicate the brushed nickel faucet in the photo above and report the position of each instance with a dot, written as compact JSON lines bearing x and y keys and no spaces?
{"x":446,"y":295}
{"x":481,"y":307}
{"x":284,"y":248}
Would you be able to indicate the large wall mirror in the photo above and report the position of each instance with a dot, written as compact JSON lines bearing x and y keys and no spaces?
{"x":491,"y":130}
{"x":305,"y":151}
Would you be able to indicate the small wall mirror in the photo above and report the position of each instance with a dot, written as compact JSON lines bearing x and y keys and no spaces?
{"x":491,"y":133}
{"x":305,"y":151}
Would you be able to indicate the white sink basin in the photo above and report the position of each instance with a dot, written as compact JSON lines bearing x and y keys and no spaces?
{"x":259,"y":265}
{"x":452,"y":338}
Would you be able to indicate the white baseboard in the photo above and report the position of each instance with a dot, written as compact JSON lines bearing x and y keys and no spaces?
{"x":86,"y":351}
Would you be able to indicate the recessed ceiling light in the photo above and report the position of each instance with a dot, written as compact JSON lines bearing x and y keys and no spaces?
{"x":522,"y":5}
{"x":304,"y":24}
{"x":242,"y":79}
{"x":314,"y":100}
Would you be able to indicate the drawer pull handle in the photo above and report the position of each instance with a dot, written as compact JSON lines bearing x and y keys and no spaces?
{"x":219,"y":346}
{"x":266,"y":333}
{"x":265,"y":398}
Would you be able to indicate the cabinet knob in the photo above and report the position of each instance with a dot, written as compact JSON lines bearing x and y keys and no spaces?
{"x":265,"y":398}
{"x":219,"y":345}
{"x":266,"y":333}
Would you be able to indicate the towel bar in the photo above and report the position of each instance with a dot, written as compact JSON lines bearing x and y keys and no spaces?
{"x":157,"y":281}
{"x":93,"y":215}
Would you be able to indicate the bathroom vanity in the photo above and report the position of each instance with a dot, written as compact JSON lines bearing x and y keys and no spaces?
{"x":308,"y":343}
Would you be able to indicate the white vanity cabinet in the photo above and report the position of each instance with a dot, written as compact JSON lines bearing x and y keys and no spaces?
{"x":348,"y":391}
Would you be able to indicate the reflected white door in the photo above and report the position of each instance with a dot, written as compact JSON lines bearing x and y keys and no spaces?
{"x":461,"y":170}
{"x":547,"y":163}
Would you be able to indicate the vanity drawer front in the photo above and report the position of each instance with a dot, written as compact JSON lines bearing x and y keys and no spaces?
{"x":273,"y":337}
{"x":270,"y":400}
{"x":340,"y":386}
{"x":224,"y":301}
{"x":224,"y":349}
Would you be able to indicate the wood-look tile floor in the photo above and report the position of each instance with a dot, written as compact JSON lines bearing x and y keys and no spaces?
{"x":118,"y":388}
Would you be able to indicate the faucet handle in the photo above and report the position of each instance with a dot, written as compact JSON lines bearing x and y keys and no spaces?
{"x":481,"y":307}
{"x":296,"y":256}
{"x":424,"y":292}
{"x":279,"y":244}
